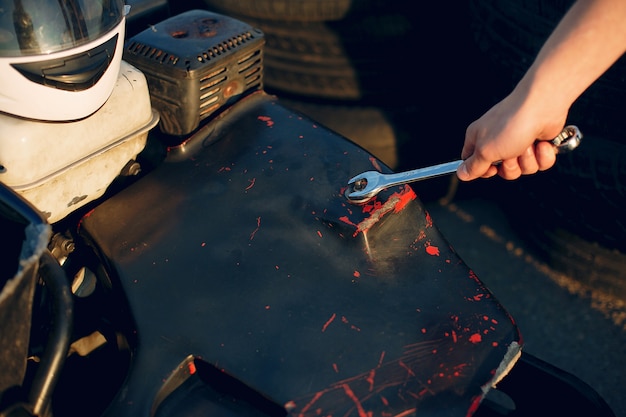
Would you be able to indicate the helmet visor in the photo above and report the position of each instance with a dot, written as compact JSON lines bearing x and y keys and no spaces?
{"x":35,"y":27}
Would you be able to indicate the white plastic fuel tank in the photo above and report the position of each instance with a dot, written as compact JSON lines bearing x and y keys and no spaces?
{"x":61,"y":166}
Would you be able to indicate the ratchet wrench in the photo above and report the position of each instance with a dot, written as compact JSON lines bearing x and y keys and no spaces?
{"x":367,"y":185}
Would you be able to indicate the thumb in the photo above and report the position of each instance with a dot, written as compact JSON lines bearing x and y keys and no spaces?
{"x":462,"y":172}
{"x":472,"y":168}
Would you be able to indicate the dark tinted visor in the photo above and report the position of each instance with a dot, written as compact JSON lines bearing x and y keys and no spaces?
{"x":34,"y":27}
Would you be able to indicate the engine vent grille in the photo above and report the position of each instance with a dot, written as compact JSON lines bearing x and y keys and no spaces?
{"x":196,"y":63}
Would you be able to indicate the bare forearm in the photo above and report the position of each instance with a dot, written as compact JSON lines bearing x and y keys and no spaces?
{"x":587,"y":41}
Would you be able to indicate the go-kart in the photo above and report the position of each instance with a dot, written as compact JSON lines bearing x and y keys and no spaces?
{"x":189,"y":250}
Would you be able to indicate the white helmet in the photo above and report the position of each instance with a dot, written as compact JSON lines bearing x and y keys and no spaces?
{"x":59,"y":60}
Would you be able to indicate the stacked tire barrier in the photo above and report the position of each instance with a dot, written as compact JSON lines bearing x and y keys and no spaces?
{"x":574,"y":213}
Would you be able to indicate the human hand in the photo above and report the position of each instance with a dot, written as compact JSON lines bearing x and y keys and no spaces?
{"x":509,"y":141}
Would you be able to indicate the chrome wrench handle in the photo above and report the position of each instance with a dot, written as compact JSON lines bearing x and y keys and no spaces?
{"x":368,"y":184}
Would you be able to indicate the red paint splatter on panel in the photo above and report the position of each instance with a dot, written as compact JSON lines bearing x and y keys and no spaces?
{"x":476,"y":338}
{"x":429,"y":220}
{"x":474,"y":406}
{"x":192,"y":368}
{"x":268,"y":120}
{"x":252,"y":182}
{"x":356,"y":274}
{"x":432,"y":250}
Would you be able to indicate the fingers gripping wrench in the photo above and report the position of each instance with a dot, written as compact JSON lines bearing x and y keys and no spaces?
{"x":366,"y":185}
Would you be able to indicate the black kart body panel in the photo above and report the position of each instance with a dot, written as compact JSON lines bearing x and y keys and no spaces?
{"x":256,"y":288}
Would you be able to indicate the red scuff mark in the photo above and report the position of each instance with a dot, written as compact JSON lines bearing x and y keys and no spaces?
{"x":268,"y":120}
{"x":474,"y":406}
{"x":454,"y":337}
{"x":476,"y":338}
{"x":357,"y":403}
{"x":88,"y":214}
{"x":258,"y":225}
{"x":319,"y":233}
{"x":335,"y":368}
{"x":382,"y":357}
{"x":473,"y":276}
{"x":396,"y":202}
{"x":432,"y":250}
{"x":310,"y":404}
{"x":330,"y":320}
{"x":375,"y":163}
{"x":406,"y":196}
{"x":223,"y":169}
{"x":370,"y":379}
{"x":408,"y":370}
{"x":252,"y":181}
{"x":362,"y":388}
{"x":356,"y":274}
{"x":192,"y":368}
